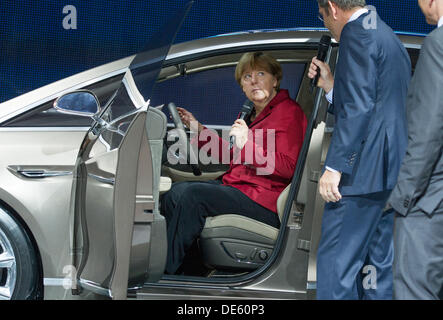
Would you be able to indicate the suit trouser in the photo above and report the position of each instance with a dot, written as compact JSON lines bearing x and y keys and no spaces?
{"x":355,"y":254}
{"x":187,"y":205}
{"x":418,"y":260}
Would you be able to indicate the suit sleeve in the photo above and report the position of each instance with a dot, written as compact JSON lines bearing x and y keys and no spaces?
{"x":354,"y":98}
{"x":425,"y":127}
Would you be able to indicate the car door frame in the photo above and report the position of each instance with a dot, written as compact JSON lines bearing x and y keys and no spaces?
{"x":255,"y":280}
{"x":106,"y":264}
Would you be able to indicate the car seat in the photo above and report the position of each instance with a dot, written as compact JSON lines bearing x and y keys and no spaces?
{"x":235,"y":241}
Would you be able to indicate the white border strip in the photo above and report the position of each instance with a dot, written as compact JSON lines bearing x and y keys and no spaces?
{"x":43,"y":129}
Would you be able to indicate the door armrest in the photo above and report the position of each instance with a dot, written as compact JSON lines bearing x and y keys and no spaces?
{"x":165,"y":184}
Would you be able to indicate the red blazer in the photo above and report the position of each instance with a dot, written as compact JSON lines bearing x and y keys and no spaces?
{"x":262,"y":169}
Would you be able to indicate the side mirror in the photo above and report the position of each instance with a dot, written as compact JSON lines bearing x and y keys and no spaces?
{"x":82,"y":103}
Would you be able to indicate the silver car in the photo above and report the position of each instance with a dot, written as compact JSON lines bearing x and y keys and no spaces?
{"x":80,"y":183}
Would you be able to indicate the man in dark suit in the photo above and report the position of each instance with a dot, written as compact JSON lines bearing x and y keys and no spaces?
{"x":418,"y":196}
{"x":369,"y":141}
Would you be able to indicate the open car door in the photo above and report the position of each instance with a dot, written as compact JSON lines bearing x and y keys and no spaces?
{"x":118,"y":235}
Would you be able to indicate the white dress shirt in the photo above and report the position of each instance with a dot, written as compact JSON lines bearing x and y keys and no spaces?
{"x":329,"y":95}
{"x":440,"y":22}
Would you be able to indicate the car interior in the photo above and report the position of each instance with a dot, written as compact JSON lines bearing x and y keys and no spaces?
{"x":230,"y":244}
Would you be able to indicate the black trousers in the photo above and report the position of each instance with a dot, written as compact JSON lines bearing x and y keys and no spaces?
{"x":187,"y":205}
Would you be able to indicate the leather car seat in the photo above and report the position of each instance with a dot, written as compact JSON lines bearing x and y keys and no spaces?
{"x":233,"y":241}
{"x":237,"y":242}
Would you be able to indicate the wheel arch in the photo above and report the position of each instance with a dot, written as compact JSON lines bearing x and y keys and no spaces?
{"x":38,"y":293}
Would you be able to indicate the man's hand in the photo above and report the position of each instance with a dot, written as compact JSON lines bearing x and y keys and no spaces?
{"x":240,"y":130}
{"x":328,"y":186}
{"x":326,"y":79}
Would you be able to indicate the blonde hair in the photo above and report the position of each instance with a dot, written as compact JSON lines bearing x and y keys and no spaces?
{"x":252,"y":60}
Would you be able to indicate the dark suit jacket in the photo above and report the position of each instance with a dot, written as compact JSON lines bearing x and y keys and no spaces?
{"x":371,"y":82}
{"x":420,"y":181}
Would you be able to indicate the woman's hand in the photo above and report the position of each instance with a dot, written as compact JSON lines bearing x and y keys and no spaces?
{"x":240,"y":131}
{"x":188,"y":119}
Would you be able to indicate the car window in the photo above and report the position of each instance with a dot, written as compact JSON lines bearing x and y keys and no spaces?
{"x":119,"y":115}
{"x":45,"y":115}
{"x":213,"y":96}
{"x":122,"y":104}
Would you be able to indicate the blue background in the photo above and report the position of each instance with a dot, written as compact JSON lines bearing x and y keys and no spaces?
{"x":36,"y":50}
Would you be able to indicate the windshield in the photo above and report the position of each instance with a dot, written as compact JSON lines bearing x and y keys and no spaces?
{"x":146,"y":65}
{"x":144,"y":69}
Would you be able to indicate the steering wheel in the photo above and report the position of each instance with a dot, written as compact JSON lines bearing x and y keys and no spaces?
{"x":183,"y":137}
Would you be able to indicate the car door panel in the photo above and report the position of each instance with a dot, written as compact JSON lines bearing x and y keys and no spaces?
{"x":116,"y":183}
{"x":115,"y":213}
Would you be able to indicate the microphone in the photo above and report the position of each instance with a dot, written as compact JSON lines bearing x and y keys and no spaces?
{"x":245,"y":112}
{"x":323,"y":48}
